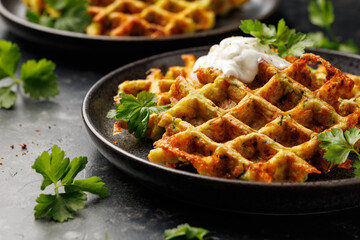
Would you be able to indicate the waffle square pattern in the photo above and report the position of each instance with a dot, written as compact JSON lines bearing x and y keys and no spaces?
{"x":149,"y":18}
{"x":262,"y":131}
{"x":156,"y":18}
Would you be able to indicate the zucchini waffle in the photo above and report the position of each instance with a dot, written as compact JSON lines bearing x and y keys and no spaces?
{"x":264,"y":131}
{"x":151,"y":18}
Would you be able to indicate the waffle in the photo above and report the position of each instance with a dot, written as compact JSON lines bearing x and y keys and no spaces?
{"x":156,"y":83}
{"x":151,"y":18}
{"x":264,"y":131}
{"x":156,"y":18}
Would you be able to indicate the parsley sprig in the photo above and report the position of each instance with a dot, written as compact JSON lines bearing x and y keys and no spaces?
{"x":282,"y":39}
{"x":60,"y":171}
{"x":338,"y":145}
{"x":37,"y":77}
{"x":321,"y":14}
{"x":71,"y":15}
{"x":136,"y":111}
{"x":186,"y":232}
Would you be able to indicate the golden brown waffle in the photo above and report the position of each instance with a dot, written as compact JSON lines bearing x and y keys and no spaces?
{"x":138,"y":18}
{"x":156,"y":18}
{"x":266,"y":131}
{"x":152,"y":18}
{"x":157,"y":83}
{"x":263,"y":131}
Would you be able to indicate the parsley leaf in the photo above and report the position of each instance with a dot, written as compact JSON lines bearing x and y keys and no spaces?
{"x":349,"y":46}
{"x":338,"y":145}
{"x":136,"y":111}
{"x":74,"y":19}
{"x":60,"y":207}
{"x":281,"y":39}
{"x":55,"y":167}
{"x":51,"y":166}
{"x":9,"y":58}
{"x":44,"y":20}
{"x":356,"y":166}
{"x":336,"y":154}
{"x":320,"y":40}
{"x":73,"y":15}
{"x":57,"y":4}
{"x":92,"y":185}
{"x":38,"y":78}
{"x":7,"y":97}
{"x":186,"y":231}
{"x":352,"y":135}
{"x":321,"y":14}
{"x":266,"y":34}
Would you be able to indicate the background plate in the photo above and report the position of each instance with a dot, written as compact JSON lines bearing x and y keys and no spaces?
{"x":337,"y":190}
{"x":13,"y":12}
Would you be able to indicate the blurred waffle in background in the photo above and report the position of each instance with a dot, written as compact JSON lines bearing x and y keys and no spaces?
{"x":151,"y":18}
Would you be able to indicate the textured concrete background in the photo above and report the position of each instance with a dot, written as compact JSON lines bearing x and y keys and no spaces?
{"x":131,"y":211}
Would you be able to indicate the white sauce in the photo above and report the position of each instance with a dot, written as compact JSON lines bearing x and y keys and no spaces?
{"x":239,"y":57}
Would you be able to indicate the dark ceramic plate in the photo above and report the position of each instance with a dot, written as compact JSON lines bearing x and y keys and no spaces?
{"x":334,"y":191}
{"x":13,"y":12}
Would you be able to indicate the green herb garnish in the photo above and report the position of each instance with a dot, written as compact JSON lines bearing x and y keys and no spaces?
{"x":281,"y":39}
{"x":73,"y":15}
{"x":38,"y":78}
{"x":338,"y":144}
{"x":186,"y":232}
{"x":56,"y":168}
{"x":321,"y":14}
{"x":136,"y":111}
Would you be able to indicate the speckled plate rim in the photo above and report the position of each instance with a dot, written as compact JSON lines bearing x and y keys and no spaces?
{"x":87,"y":120}
{"x":212,"y":32}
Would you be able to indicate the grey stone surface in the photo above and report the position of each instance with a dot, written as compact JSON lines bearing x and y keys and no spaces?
{"x":131,"y":211}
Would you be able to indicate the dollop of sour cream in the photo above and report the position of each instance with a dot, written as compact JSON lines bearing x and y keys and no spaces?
{"x":239,"y":57}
